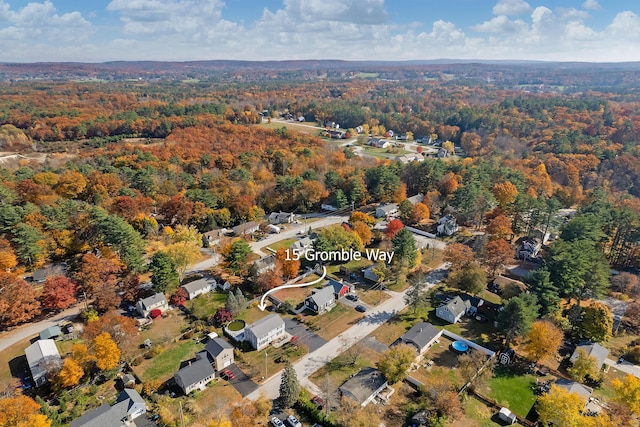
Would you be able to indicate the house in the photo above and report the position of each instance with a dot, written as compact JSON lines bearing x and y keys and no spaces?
{"x":220,"y":353}
{"x":129,"y":406}
{"x":410,"y":158}
{"x":145,"y":305}
{"x":282,"y":218}
{"x":422,"y":335}
{"x":421,"y":419}
{"x":378,"y":142}
{"x":246,"y":228}
{"x":418,"y":198}
{"x":573,"y":387}
{"x":364,"y":386}
{"x":593,"y":349}
{"x":199,"y":287}
{"x":453,"y":310}
{"x":529,"y":249}
{"x":321,"y":300}
{"x":327,"y":206}
{"x":53,"y":270}
{"x":42,"y":357}
{"x":213,"y":237}
{"x":128,"y":380}
{"x":302,"y":246}
{"x":50,"y":332}
{"x":265,"y":264}
{"x":369,"y":274}
{"x":274,"y":229}
{"x":507,"y":416}
{"x":195,"y":376}
{"x":447,"y":225}
{"x":263,"y":331}
{"x":442,"y":153}
{"x":386,"y":210}
{"x":340,"y":288}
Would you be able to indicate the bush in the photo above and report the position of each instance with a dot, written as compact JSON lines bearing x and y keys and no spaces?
{"x":633,"y":355}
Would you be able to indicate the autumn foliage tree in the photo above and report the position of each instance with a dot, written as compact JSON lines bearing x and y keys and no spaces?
{"x":18,"y":302}
{"x":120,"y":328}
{"x":179,"y":297}
{"x":97,"y":272}
{"x":70,"y":374}
{"x":393,"y":227}
{"x":505,"y":193}
{"x":287,"y":264}
{"x":543,"y":341}
{"x":500,"y":228}
{"x":497,"y":254}
{"x":58,"y":293}
{"x":458,"y":255}
{"x":21,"y":411}
{"x":106,"y":352}
{"x":362,"y":230}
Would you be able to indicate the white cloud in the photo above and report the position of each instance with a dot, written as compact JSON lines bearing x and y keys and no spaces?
{"x":625,"y":25}
{"x":572,"y":13}
{"x":511,"y":7}
{"x":591,"y":5}
{"x":500,"y":25}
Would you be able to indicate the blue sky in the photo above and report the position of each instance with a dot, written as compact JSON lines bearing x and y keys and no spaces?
{"x":105,"y":30}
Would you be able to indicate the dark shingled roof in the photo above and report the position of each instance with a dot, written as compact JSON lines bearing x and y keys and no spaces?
{"x":421,"y":334}
{"x":196,"y":371}
{"x":217,"y":345}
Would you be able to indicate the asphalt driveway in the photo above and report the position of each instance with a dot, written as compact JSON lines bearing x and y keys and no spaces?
{"x":307,"y":336}
{"x":241,"y":381}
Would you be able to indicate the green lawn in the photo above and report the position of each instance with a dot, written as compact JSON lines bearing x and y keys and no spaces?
{"x":353,"y":267}
{"x":513,"y":391}
{"x":286,"y":243}
{"x":253,"y":362}
{"x":163,"y":366}
{"x":333,"y":323}
{"x":479,"y":412}
{"x":206,"y":305}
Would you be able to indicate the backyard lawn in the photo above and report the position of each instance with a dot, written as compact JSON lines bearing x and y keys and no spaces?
{"x":206,"y":305}
{"x":253,"y":362}
{"x":333,"y":323}
{"x":512,"y":391}
{"x":163,"y":366}
{"x":340,"y":368}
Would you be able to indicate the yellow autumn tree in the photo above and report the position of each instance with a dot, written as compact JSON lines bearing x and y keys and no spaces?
{"x":628,"y":392}
{"x":106,"y":352}
{"x":543,"y":341}
{"x":21,"y":411}
{"x":70,"y":374}
{"x":560,"y":408}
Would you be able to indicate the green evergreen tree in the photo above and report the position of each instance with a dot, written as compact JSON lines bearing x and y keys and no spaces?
{"x":236,"y":259}
{"x":232,"y":305}
{"x":540,"y":285}
{"x":518,"y":315}
{"x":405,"y":248}
{"x":289,"y":387}
{"x":164,"y":275}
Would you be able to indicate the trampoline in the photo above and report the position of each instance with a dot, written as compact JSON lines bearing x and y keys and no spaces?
{"x":460,"y":347}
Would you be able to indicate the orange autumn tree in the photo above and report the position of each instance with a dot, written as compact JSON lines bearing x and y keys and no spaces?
{"x":21,"y":411}
{"x":106,"y":352}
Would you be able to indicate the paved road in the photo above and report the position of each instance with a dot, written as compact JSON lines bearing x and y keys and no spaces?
{"x":624,"y":367}
{"x":313,"y":361}
{"x":30,"y":330}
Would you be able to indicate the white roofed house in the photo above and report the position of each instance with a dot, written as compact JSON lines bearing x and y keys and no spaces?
{"x":246,"y":228}
{"x":264,"y":331}
{"x":447,"y":225}
{"x":199,"y":287}
{"x":265,"y":264}
{"x":418,"y":198}
{"x":386,"y":210}
{"x":321,"y":300}
{"x":145,"y":305}
{"x":128,"y":406}
{"x":43,"y":359}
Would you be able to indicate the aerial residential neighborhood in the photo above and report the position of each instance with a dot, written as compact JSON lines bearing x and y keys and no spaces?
{"x":298,"y":214}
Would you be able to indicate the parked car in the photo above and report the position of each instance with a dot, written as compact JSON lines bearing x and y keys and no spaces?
{"x":352,"y":297}
{"x":318,"y":401}
{"x":227,"y":375}
{"x":275,"y":421}
{"x":361,"y":308}
{"x":293,"y":421}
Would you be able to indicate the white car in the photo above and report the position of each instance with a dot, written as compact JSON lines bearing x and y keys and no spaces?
{"x":293,"y":421}
{"x":276,"y":422}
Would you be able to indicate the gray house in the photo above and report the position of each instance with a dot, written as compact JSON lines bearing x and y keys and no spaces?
{"x":128,"y":407}
{"x":453,"y":310}
{"x":145,"y":305}
{"x":199,"y":287}
{"x":263,"y":331}
{"x":422,"y":335}
{"x":50,"y":332}
{"x":196,"y":375}
{"x":573,"y":387}
{"x":282,"y":217}
{"x":365,"y":386}
{"x":43,"y":358}
{"x":220,"y":353}
{"x":320,"y":300}
{"x":246,"y":228}
{"x":595,"y":350}
{"x":386,"y":210}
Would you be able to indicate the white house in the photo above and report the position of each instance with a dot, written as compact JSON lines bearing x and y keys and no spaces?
{"x":42,"y":357}
{"x":453,"y":310}
{"x":282,"y":217}
{"x":263,"y":331}
{"x":378,"y":142}
{"x":127,"y":408}
{"x":418,"y":198}
{"x":145,"y":305}
{"x":199,"y":287}
{"x":447,"y":225}
{"x":246,"y":228}
{"x":195,"y":376}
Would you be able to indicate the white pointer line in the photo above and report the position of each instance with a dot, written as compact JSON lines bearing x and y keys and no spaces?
{"x":262,"y":306}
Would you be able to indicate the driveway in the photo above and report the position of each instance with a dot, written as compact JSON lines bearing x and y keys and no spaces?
{"x":625,"y":366}
{"x":241,"y":381}
{"x":307,"y":336}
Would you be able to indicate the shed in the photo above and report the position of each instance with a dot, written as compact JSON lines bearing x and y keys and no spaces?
{"x":507,"y":416}
{"x":50,"y":332}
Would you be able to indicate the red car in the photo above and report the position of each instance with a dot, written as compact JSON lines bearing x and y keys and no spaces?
{"x":227,"y":375}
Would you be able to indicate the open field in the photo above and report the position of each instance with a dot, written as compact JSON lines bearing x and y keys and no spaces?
{"x":286,"y":243}
{"x":253,"y":362}
{"x":333,"y":323}
{"x":303,"y":127}
{"x":206,"y":305}
{"x":164,"y":365}
{"x":512,"y":391}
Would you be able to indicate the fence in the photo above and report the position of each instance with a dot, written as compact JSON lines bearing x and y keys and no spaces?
{"x":420,"y":232}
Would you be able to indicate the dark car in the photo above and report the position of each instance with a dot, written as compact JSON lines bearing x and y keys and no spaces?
{"x":361,"y":308}
{"x":352,"y":297}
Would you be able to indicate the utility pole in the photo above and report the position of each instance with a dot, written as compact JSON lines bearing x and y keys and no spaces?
{"x":352,"y":206}
{"x":265,"y":365}
{"x":181,"y":416}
